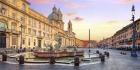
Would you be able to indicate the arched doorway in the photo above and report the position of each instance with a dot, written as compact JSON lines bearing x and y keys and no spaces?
{"x":3,"y":26}
{"x":2,"y":40}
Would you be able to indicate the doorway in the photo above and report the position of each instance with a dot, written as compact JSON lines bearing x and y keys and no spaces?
{"x":2,"y":40}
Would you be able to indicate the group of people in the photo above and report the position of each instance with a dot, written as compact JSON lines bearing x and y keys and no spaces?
{"x":102,"y":56}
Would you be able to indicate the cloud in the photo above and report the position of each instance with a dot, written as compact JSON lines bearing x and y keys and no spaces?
{"x":71,"y":14}
{"x":71,"y":4}
{"x":78,"y":19}
{"x":74,"y":5}
{"x":41,"y":1}
{"x":112,"y":21}
{"x":128,"y":1}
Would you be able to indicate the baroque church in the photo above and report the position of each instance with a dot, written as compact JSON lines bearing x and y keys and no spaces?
{"x":22,"y":26}
{"x":56,"y":19}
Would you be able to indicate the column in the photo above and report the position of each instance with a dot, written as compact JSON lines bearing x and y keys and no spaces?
{"x":7,"y":40}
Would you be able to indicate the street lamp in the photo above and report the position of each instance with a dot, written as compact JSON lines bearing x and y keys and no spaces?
{"x":89,"y":44}
{"x":21,"y":26}
{"x":133,"y":51}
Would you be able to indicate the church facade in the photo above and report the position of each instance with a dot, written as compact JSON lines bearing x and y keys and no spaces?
{"x":21,"y":26}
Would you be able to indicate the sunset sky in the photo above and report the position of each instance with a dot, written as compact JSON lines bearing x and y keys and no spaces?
{"x":103,"y":17}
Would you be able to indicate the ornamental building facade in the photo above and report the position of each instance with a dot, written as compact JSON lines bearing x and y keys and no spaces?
{"x":21,"y":26}
{"x":123,"y":37}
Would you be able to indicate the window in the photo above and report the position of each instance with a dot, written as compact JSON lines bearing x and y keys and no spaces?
{"x":30,"y":21}
{"x":34,"y":24}
{"x":39,"y":25}
{"x":43,"y":26}
{"x":0,"y":7}
{"x":34,"y":42}
{"x":14,"y":26}
{"x":29,"y":30}
{"x":29,"y":42}
{"x":23,"y":29}
{"x":3,"y":10}
{"x":23,"y":41}
{"x":3,"y":25}
{"x":39,"y":33}
{"x":22,"y":20}
{"x":43,"y":34}
{"x":14,"y":15}
{"x":14,"y":40}
{"x":34,"y":32}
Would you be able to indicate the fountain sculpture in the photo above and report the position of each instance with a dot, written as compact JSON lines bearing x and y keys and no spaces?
{"x":56,"y":51}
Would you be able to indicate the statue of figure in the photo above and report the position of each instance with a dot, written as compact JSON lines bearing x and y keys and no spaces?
{"x":58,"y":39}
{"x":50,"y":47}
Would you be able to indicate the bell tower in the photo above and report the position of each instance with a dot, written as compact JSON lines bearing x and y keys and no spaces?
{"x":69,"y":26}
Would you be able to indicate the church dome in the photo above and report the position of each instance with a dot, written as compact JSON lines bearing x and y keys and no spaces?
{"x":54,"y":14}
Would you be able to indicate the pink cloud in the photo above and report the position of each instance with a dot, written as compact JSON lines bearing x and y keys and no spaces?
{"x":67,"y":3}
{"x":71,"y":14}
{"x":78,"y":19}
{"x":128,"y":1}
{"x":41,"y":1}
{"x":74,"y":5}
{"x":112,"y":22}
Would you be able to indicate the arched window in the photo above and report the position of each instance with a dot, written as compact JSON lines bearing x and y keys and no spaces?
{"x":2,"y":9}
{"x":13,"y":26}
{"x":3,"y":25}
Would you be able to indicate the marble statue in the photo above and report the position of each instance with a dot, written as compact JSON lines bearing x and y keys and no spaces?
{"x":58,"y":39}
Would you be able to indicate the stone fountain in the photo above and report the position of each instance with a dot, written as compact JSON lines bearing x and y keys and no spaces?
{"x":56,"y":50}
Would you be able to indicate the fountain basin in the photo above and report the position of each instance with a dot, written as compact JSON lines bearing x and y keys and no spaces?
{"x":58,"y":54}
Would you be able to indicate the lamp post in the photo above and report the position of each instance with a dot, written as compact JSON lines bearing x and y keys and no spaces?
{"x":133,"y":51}
{"x":89,"y":43}
{"x":21,"y":26}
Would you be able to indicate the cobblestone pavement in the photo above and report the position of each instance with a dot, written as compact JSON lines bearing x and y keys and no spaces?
{"x":116,"y":61}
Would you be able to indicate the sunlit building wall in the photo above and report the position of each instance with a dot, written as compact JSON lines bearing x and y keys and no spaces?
{"x":37,"y":29}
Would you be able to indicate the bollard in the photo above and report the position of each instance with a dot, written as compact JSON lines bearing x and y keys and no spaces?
{"x":102,"y":57}
{"x":76,"y":61}
{"x":52,"y":60}
{"x":97,"y":51}
{"x":4,"y":57}
{"x":21,"y":59}
{"x":107,"y":54}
